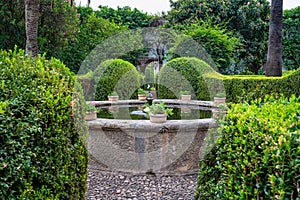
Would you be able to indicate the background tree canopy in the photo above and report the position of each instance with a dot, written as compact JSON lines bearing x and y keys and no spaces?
{"x":133,"y":18}
{"x":248,"y":19}
{"x":291,"y":38}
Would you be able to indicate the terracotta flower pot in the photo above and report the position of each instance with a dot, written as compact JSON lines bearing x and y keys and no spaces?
{"x":185,"y":97}
{"x":90,"y":116}
{"x":158,"y":118}
{"x":113,"y":98}
{"x":142,"y":97}
{"x":220,"y":99}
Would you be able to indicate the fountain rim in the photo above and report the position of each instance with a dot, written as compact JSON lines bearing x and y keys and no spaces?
{"x":146,"y":124}
{"x":208,"y":104}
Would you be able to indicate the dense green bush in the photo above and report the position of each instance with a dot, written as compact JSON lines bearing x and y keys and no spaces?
{"x":116,"y":75}
{"x":182,"y":74}
{"x":42,"y":139}
{"x":206,"y":82}
{"x":188,"y":74}
{"x":257,"y":153}
{"x":291,"y":38}
{"x":219,"y":44}
{"x":247,"y":88}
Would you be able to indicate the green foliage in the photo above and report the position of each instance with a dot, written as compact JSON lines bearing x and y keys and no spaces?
{"x":116,"y":75}
{"x":248,"y":19}
{"x":160,"y":108}
{"x":132,"y":18}
{"x":184,"y":74}
{"x":12,"y":24}
{"x":142,"y":91}
{"x":204,"y":83}
{"x":247,"y":88}
{"x":218,"y":42}
{"x":90,"y":108}
{"x":42,"y":131}
{"x":186,"y":92}
{"x":92,"y":32}
{"x":257,"y":154}
{"x":291,"y":38}
{"x":113,"y":93}
{"x":57,"y":28}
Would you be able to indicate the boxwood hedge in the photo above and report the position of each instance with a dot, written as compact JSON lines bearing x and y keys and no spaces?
{"x":116,"y":75}
{"x":184,"y":74}
{"x":206,"y":82}
{"x":257,"y":155}
{"x":42,"y":139}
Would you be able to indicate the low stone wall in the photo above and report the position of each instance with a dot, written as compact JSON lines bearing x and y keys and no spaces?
{"x":139,"y":146}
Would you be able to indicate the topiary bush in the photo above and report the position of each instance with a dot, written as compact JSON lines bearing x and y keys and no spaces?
{"x":257,"y":154}
{"x":43,"y":150}
{"x":184,"y":74}
{"x":116,"y":75}
{"x":248,"y":88}
{"x":198,"y":77}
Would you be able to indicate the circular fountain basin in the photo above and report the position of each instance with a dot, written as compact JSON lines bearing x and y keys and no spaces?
{"x":139,"y":146}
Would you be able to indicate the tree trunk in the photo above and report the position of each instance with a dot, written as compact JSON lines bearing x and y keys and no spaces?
{"x":274,"y":58}
{"x":31,"y":25}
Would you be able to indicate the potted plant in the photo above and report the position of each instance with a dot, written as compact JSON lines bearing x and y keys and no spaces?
{"x":153,"y":92}
{"x":185,"y":95}
{"x":142,"y":94}
{"x":158,"y":112}
{"x":113,"y":96}
{"x":220,"y":97}
{"x":90,"y":112}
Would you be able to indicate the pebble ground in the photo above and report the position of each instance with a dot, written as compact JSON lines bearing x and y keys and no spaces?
{"x":109,"y":185}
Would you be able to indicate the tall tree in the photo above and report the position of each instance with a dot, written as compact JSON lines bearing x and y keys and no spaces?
{"x":31,"y":26}
{"x":274,"y":58}
{"x":248,"y":19}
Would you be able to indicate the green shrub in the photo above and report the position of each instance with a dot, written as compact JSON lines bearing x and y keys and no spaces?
{"x":206,"y":83}
{"x":247,"y":88}
{"x":257,"y":154}
{"x":291,"y":38}
{"x":184,"y":74}
{"x":218,"y":42}
{"x":116,"y":75}
{"x":43,"y":151}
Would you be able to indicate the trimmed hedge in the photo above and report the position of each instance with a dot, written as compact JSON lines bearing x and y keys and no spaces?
{"x":206,"y":82}
{"x":248,"y":88}
{"x":257,"y":155}
{"x":43,"y":150}
{"x":116,"y":75}
{"x":184,"y":74}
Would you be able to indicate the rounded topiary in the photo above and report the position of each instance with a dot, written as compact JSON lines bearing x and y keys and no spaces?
{"x":184,"y":74}
{"x":42,"y":132}
{"x":116,"y":75}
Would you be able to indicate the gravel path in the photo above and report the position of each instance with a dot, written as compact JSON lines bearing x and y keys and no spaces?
{"x":108,"y":185}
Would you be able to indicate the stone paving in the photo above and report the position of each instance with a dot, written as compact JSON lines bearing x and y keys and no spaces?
{"x":110,"y":185}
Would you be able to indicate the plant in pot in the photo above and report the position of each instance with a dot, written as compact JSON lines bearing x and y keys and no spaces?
{"x":220,"y":97}
{"x":142,"y":94}
{"x":185,"y":95}
{"x":113,"y":96}
{"x":158,"y":112}
{"x":90,"y":112}
{"x":153,"y":92}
